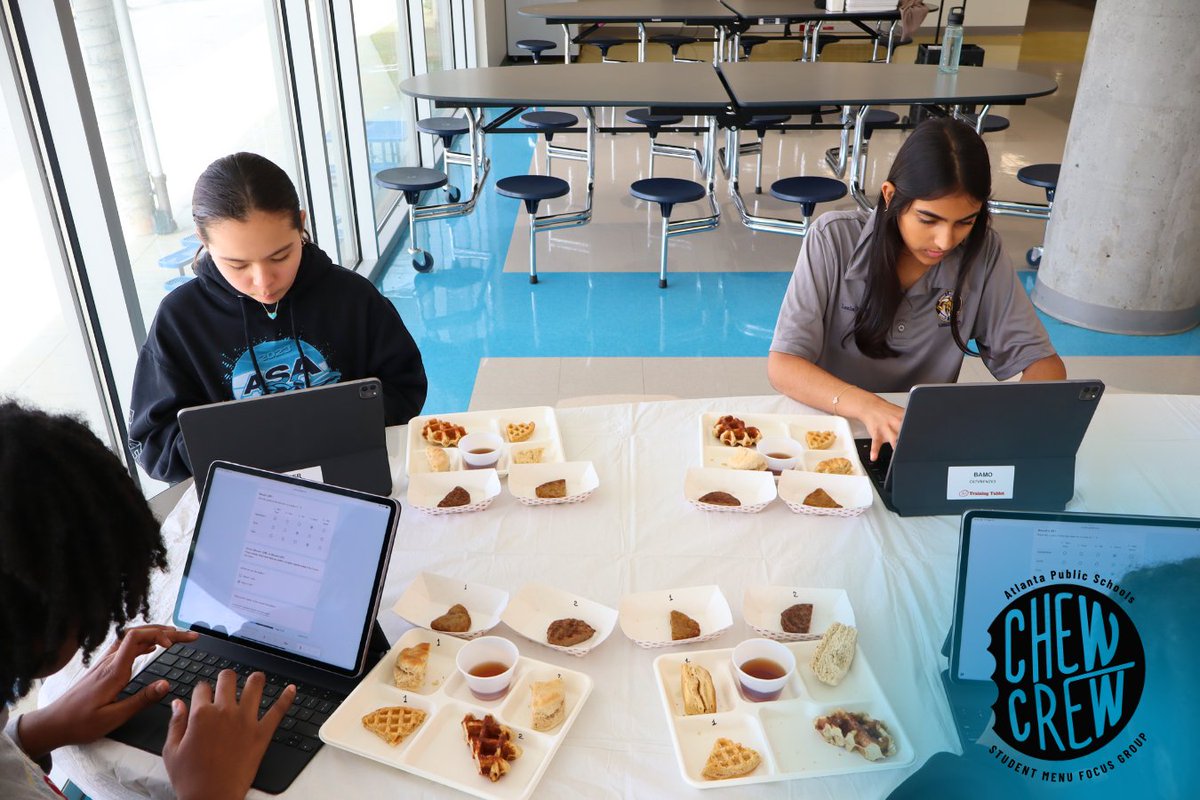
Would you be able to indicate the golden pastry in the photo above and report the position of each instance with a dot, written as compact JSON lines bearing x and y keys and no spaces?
{"x":683,"y":626}
{"x":729,"y":759}
{"x":835,"y":466}
{"x":409,"y":670}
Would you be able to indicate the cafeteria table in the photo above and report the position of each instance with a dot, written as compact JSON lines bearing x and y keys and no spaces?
{"x":785,"y":12}
{"x":640,"y":12}
{"x":637,"y":533}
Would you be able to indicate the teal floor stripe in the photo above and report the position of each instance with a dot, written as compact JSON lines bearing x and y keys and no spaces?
{"x":468,"y":308}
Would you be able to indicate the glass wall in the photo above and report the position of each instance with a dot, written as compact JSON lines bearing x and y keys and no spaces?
{"x":175,"y":86}
{"x":385,"y":59}
{"x":44,"y":359}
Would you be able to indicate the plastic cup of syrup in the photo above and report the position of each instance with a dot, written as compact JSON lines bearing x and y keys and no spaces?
{"x":480,"y":450}
{"x":780,"y":452}
{"x":763,"y":668}
{"x":487,"y":665}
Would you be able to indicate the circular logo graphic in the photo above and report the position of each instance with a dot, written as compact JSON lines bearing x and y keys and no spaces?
{"x":1069,"y":671}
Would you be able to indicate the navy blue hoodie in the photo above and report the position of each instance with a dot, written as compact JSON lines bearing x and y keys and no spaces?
{"x":332,"y":325}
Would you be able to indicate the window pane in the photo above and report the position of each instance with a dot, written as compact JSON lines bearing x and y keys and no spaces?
{"x":439,"y":42}
{"x":175,"y":86}
{"x":335,"y":138}
{"x":383,"y":58}
{"x":44,"y":360}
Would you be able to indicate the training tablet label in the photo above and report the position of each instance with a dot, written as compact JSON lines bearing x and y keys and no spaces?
{"x":983,"y":482}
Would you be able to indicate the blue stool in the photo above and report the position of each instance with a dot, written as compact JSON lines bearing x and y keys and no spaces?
{"x":988,"y":123}
{"x":536,"y":47}
{"x":547,"y":123}
{"x":676,"y":41}
{"x":533,"y":189}
{"x":808,"y":191}
{"x":178,"y":260}
{"x":667,"y":192}
{"x":412,"y":181}
{"x":759,"y":123}
{"x":1044,"y":176}
{"x":191,"y":242}
{"x":748,"y":43}
{"x":654,"y":124}
{"x":446,"y":128}
{"x":176,"y":282}
{"x":603,"y":44}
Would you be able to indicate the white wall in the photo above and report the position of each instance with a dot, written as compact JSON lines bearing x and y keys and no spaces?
{"x":984,"y":13}
{"x":490,"y":32}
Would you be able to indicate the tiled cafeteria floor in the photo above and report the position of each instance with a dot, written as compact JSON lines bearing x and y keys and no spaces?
{"x":597,"y":326}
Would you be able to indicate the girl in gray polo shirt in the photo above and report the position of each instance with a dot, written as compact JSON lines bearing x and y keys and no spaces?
{"x":882,"y":301}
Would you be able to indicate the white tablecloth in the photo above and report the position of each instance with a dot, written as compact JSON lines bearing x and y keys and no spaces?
{"x":637,"y":533}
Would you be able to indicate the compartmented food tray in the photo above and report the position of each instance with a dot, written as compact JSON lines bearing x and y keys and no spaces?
{"x":437,"y":749}
{"x":714,"y":453}
{"x":545,"y":436}
{"x":780,"y":731}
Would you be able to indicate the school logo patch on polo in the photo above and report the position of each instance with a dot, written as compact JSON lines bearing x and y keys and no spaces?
{"x":944,"y":304}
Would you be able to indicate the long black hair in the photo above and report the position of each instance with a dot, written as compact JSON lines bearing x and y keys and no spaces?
{"x":77,"y":543}
{"x":234,"y":186}
{"x":941,"y":157}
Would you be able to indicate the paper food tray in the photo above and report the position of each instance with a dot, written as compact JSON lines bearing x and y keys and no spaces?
{"x":437,"y":750}
{"x":545,"y":435}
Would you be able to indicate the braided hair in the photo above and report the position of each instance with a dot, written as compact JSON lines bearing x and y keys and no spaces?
{"x":77,"y":544}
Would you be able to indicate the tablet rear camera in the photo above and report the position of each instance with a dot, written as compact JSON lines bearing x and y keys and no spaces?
{"x":367,"y":392}
{"x":1089,"y":393}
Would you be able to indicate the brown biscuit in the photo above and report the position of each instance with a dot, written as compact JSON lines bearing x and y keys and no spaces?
{"x":797,"y":618}
{"x":569,"y":631}
{"x":552,"y":489}
{"x":720,"y":499}
{"x":819,"y":498}
{"x":683,"y":626}
{"x":456,"y":620}
{"x":458,"y":496}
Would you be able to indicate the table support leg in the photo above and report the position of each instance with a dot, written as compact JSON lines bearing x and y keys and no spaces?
{"x":566,"y":44}
{"x":641,"y":42}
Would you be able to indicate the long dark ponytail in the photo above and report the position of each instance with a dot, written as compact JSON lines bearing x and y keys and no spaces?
{"x":941,"y":157}
{"x":234,"y":186}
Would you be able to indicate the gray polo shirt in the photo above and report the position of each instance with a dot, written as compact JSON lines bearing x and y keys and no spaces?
{"x":828,"y":284}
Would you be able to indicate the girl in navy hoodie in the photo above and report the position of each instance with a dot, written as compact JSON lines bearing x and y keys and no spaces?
{"x":268,"y":312}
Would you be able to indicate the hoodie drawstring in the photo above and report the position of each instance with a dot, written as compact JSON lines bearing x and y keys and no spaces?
{"x":296,"y":341}
{"x":250,"y":346}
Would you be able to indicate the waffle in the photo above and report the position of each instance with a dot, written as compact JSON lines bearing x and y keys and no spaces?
{"x":519,"y":431}
{"x":393,"y":723}
{"x":858,"y":733}
{"x":492,"y":745}
{"x":835,"y":466}
{"x":731,"y":431}
{"x":440,"y":432}
{"x":729,"y":759}
{"x":819,"y":440}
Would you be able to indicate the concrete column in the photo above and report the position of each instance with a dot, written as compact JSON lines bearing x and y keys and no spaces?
{"x":100,"y":41}
{"x":1123,"y":243}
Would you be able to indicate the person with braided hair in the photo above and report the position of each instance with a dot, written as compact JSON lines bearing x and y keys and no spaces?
{"x":73,"y":567}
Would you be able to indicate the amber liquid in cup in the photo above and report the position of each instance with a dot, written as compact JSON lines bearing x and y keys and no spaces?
{"x":481,"y":451}
{"x":763,"y":669}
{"x":489,"y":669}
{"x":781,"y":456}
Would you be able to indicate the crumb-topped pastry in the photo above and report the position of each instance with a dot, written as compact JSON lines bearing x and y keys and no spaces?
{"x":856,"y":732}
{"x":835,"y":466}
{"x":733,"y":432}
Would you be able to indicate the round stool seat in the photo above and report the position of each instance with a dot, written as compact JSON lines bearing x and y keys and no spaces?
{"x":667,"y":190}
{"x":808,"y":189}
{"x":548,"y":120}
{"x":536,"y":45}
{"x":1043,"y":175}
{"x":877,"y":116}
{"x":897,"y":40}
{"x":443,"y":126}
{"x":752,"y":41}
{"x":603,"y":43}
{"x":767,"y":120}
{"x":991,"y":123}
{"x":642,"y":116}
{"x":825,"y":41}
{"x":532,"y":187}
{"x":673,"y":40}
{"x":411,"y":179}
